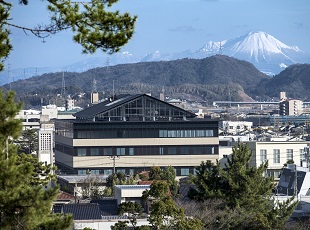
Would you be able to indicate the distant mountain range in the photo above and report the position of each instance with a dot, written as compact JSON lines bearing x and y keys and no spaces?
{"x":264,"y":51}
{"x":215,"y":78}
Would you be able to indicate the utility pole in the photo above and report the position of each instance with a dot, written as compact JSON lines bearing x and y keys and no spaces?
{"x":295,"y":186}
{"x":114,"y":158}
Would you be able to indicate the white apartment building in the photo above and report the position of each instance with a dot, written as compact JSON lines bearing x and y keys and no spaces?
{"x":291,"y":107}
{"x":277,"y":153}
{"x":235,"y":127}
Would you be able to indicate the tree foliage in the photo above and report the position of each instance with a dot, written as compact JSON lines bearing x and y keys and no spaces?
{"x":24,"y":203}
{"x":168,"y":175}
{"x":165,"y":214}
{"x":245,"y":191}
{"x":133,"y":211}
{"x":29,"y":141}
{"x":118,"y":178}
{"x":93,"y":24}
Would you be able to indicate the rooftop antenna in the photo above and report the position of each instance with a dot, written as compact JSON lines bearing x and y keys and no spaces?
{"x":108,"y":64}
{"x":113,"y":91}
{"x":220,"y":51}
{"x":94,"y":88}
{"x":63,"y":85}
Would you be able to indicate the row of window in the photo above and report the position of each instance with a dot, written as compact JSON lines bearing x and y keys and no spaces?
{"x":277,"y":158}
{"x":147,"y":150}
{"x":134,"y":129}
{"x":184,"y":171}
{"x":139,"y":150}
{"x":92,"y":134}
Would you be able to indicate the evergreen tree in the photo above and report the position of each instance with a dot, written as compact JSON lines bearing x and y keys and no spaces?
{"x":24,"y":203}
{"x":245,"y":190}
{"x":165,"y":213}
{"x":155,"y":173}
{"x":29,"y":141}
{"x":207,"y":181}
{"x":169,"y":175}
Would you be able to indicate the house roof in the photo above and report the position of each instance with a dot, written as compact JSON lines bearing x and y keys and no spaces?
{"x":65,"y":196}
{"x":108,"y":207}
{"x":83,"y":211}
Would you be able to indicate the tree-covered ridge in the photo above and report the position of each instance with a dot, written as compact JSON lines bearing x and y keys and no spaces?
{"x":294,"y":80}
{"x":214,"y":78}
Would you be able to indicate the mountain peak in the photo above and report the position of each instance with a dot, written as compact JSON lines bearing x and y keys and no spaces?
{"x":256,"y":43}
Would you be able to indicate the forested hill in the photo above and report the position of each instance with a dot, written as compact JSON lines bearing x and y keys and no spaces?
{"x":214,"y":78}
{"x":294,"y":80}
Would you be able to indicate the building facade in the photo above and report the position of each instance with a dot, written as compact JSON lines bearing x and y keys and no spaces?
{"x":277,"y":153}
{"x":131,"y":134}
{"x":290,"y":107}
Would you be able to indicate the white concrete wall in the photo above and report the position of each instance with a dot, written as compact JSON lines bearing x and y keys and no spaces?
{"x":102,"y":224}
{"x":255,"y":147}
{"x":146,"y":141}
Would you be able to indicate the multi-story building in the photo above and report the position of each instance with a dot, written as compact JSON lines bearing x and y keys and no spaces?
{"x":132,"y":134}
{"x":291,"y":107}
{"x":46,"y":145}
{"x":277,"y":153}
{"x":235,"y":127}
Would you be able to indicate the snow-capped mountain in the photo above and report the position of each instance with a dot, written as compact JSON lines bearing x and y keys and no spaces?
{"x":268,"y":54}
{"x":263,"y":50}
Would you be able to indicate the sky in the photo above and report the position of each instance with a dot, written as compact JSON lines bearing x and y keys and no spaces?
{"x":167,"y":26}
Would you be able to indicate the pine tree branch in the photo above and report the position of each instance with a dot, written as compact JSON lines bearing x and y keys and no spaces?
{"x":5,"y":3}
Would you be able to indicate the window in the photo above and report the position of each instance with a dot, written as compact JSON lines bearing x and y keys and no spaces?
{"x":161,"y":151}
{"x":131,"y":172}
{"x":95,"y":171}
{"x":289,"y":154}
{"x":171,"y":150}
{"x":82,"y":172}
{"x":120,"y":151}
{"x":263,"y":155}
{"x":94,"y":152}
{"x":81,"y":151}
{"x":277,"y":174}
{"x":131,"y":151}
{"x":107,"y":171}
{"x":184,"y":150}
{"x":107,"y":151}
{"x":184,"y":171}
{"x":276,"y":156}
{"x":302,"y":154}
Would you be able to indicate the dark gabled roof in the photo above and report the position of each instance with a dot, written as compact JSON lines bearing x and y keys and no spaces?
{"x":108,"y":207}
{"x":83,"y":211}
{"x":120,"y":100}
{"x":106,"y":105}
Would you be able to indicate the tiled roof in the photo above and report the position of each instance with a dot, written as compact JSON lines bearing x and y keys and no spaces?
{"x":65,"y":196}
{"x":83,"y":211}
{"x":145,"y":182}
{"x":108,"y":207}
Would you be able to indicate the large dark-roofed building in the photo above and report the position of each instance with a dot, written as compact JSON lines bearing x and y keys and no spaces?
{"x":134,"y":133}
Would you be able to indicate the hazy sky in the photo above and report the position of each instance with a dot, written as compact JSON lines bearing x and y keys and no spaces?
{"x":167,"y":26}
